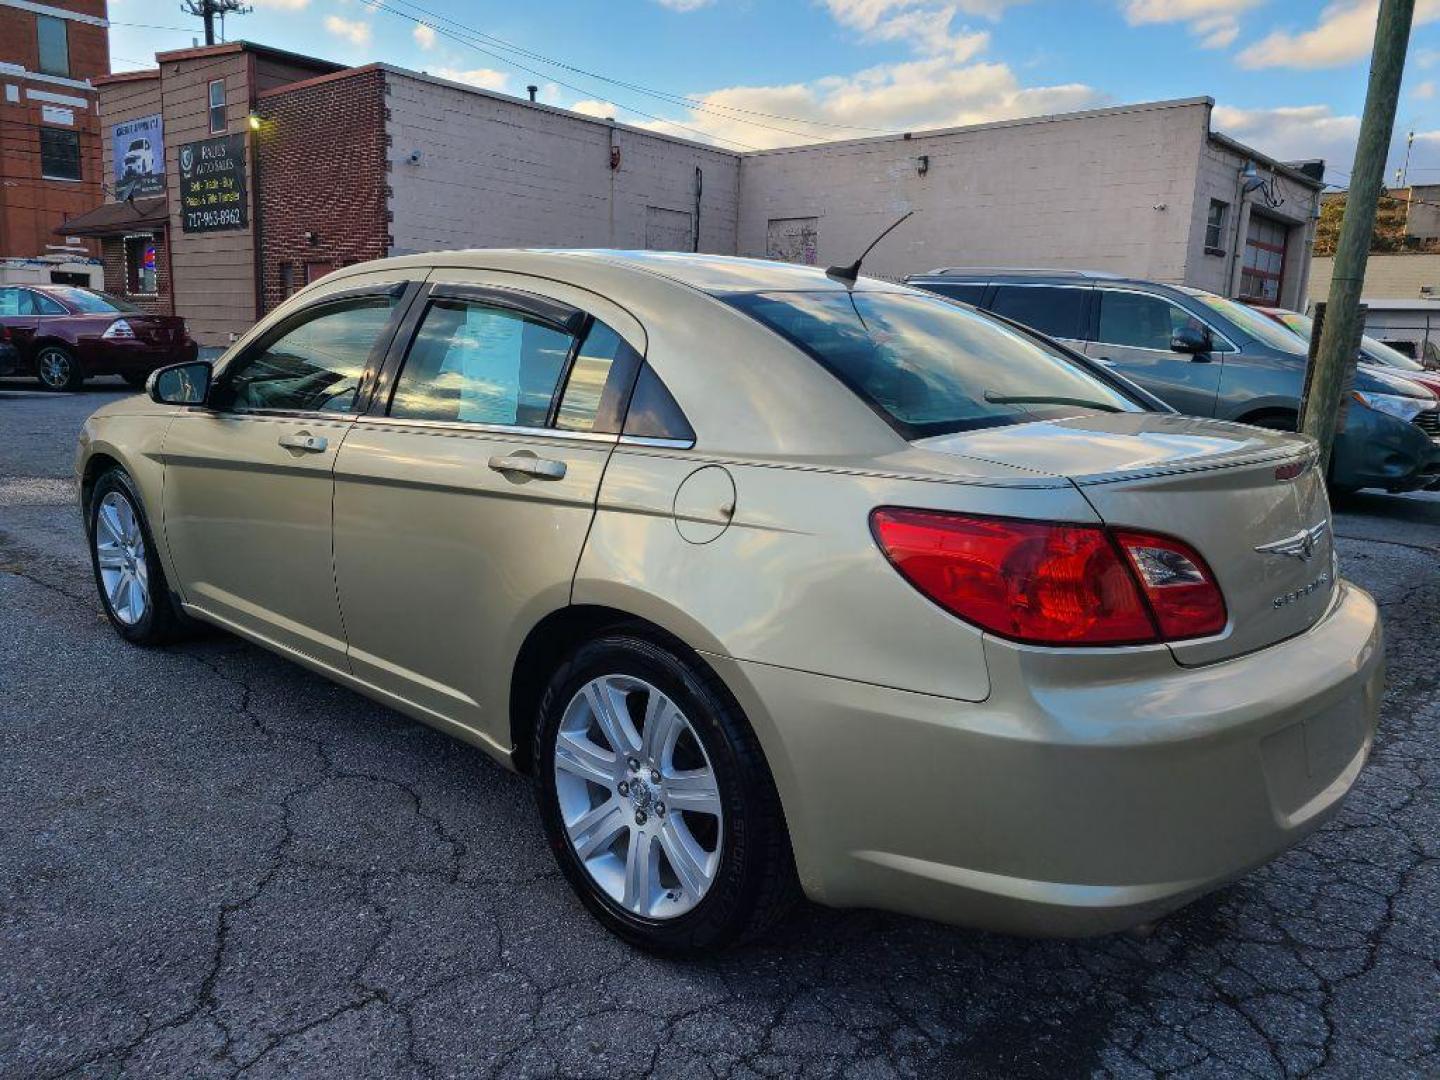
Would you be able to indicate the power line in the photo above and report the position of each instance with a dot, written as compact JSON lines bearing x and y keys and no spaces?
{"x":569,"y":86}
{"x":699,"y":104}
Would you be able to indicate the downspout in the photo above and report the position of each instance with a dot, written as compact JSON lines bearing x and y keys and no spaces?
{"x":699,"y":189}
{"x":256,"y":220}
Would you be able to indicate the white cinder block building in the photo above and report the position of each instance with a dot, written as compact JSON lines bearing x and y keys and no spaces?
{"x":324,"y":166}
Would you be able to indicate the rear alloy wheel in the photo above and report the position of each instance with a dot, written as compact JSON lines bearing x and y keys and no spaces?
{"x":57,"y":368}
{"x":127,"y":570}
{"x":656,"y":800}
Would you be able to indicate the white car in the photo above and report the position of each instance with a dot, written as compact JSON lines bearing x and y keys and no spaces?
{"x":140,"y":159}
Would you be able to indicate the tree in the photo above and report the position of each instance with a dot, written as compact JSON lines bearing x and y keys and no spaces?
{"x":208,"y":9}
{"x":1389,"y":224}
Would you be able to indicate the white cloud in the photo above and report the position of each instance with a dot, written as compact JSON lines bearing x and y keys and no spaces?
{"x":1213,"y":22}
{"x":1423,"y":91}
{"x":353,"y":31}
{"x":601,"y":110}
{"x":924,"y":25}
{"x":683,"y":5}
{"x":424,"y":36}
{"x":1344,"y":34}
{"x":281,"y":5}
{"x":912,"y":95}
{"x":1294,"y":132}
{"x":485,"y":78}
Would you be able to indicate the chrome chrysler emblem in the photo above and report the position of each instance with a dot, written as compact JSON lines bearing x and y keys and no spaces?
{"x":1300,"y":546}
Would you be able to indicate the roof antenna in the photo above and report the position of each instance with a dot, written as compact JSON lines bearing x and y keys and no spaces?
{"x":848,"y":274}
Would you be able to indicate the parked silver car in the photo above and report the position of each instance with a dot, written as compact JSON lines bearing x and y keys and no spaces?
{"x":1206,"y":355}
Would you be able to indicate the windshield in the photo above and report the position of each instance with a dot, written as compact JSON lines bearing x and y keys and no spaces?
{"x":1260,"y":327}
{"x":1375,"y":351}
{"x":931,"y":367}
{"x":91,"y":302}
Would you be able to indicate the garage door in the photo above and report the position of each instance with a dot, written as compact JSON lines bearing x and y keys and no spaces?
{"x":1264,"y":266}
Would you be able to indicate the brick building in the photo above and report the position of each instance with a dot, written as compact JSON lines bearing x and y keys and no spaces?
{"x":279,"y":168}
{"x":51,"y":55}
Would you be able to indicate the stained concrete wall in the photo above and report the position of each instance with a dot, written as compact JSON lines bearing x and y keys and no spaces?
{"x":1124,"y":190}
{"x":496,"y":171}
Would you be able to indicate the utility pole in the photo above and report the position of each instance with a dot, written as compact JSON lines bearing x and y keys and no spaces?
{"x":1340,"y":333}
{"x":208,"y":9}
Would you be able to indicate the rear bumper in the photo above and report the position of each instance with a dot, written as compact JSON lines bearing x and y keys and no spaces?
{"x":133,"y":357}
{"x":1089,"y":793}
{"x":1379,"y":451}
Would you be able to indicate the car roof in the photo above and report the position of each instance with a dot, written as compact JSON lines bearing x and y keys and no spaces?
{"x":715,"y":274}
{"x":1020,"y":273}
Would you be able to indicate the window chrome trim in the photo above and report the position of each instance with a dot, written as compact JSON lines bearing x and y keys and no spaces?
{"x":466,"y":426}
{"x":657,"y":443}
{"x":1102,"y":289}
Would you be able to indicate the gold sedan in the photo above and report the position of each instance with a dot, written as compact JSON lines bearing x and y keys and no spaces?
{"x":775,"y":581}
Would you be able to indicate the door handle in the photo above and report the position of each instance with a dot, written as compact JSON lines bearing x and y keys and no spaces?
{"x":523,"y":464}
{"x":1104,"y":361}
{"x":310,"y":444}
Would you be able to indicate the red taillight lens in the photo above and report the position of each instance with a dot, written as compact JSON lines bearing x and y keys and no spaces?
{"x":1180,"y":587}
{"x":1053,"y":584}
{"x":1040,"y":583}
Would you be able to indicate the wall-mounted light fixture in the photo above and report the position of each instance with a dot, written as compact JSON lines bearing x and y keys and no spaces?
{"x":311,"y":238}
{"x":255,"y":121}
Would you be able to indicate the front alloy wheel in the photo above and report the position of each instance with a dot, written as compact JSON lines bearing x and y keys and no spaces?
{"x":656,"y":798}
{"x":120,"y":557}
{"x":640,"y":804}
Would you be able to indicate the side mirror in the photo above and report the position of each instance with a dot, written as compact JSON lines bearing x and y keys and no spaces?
{"x":1187,"y":339}
{"x":180,"y":384}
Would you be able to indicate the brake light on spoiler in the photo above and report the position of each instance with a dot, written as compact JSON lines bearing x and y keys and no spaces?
{"x":1051,"y":583}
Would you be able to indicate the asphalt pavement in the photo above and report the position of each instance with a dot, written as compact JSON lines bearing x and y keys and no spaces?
{"x":213,"y":862}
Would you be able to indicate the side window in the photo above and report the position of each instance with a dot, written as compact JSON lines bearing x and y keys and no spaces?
{"x":969,"y":292}
{"x":1055,"y":312}
{"x":9,"y":303}
{"x":315,"y":366}
{"x":583,"y":407}
{"x":654,"y":413}
{"x":480,"y":364}
{"x":1139,"y":321}
{"x":39,"y":304}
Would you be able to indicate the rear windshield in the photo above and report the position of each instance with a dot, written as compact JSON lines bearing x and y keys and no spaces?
{"x":931,"y":367}
{"x":91,"y":302}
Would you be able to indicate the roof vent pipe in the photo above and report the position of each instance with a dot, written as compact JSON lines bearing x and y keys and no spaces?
{"x":533,"y":89}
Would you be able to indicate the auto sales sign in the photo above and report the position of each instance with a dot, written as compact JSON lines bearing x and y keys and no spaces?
{"x":138,"y":148}
{"x":212,"y":185}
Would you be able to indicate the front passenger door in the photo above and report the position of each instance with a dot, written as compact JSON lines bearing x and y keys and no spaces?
{"x":248,"y":478}
{"x":1134,"y":333}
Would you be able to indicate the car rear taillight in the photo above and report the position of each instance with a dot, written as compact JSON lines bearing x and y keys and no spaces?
{"x":119,"y":330}
{"x":1052,"y":584}
{"x":1182,"y":592}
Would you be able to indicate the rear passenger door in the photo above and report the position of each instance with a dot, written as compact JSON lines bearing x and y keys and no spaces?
{"x":462,"y":500}
{"x":1133,"y":334}
{"x":1057,"y":311}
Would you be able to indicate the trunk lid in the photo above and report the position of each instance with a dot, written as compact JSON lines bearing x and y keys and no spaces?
{"x":1252,"y":502}
{"x":157,"y":329}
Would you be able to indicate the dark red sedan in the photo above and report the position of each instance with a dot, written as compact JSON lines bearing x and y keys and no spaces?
{"x":62,"y":335}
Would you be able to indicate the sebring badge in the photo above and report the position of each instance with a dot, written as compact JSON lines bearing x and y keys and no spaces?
{"x":1300,"y":546}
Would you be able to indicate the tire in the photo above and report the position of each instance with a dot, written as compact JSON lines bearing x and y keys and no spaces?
{"x":136,"y":379}
{"x":157,"y":621}
{"x":751,"y":879}
{"x":58,"y":368}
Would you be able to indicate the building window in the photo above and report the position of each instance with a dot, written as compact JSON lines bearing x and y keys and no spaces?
{"x":1215,"y":227}
{"x":54,"y":45}
{"x":217,"y":106}
{"x":140,"y":276}
{"x":59,"y":154}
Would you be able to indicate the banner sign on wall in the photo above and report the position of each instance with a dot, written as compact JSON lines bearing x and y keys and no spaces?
{"x":212,"y":184}
{"x":139,"y":153}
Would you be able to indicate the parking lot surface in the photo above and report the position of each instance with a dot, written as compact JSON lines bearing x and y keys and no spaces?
{"x":213,"y":862}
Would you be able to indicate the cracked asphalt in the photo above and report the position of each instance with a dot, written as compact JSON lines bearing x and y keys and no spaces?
{"x":214,"y":863}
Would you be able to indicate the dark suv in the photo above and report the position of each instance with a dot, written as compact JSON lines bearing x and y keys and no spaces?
{"x":1208,"y":356}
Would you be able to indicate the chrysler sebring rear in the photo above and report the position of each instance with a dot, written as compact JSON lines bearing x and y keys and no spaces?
{"x":773,"y":582}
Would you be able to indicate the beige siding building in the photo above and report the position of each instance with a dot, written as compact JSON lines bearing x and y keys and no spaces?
{"x":327,"y":166}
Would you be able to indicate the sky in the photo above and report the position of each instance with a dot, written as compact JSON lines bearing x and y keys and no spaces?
{"x":1288,"y":76}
